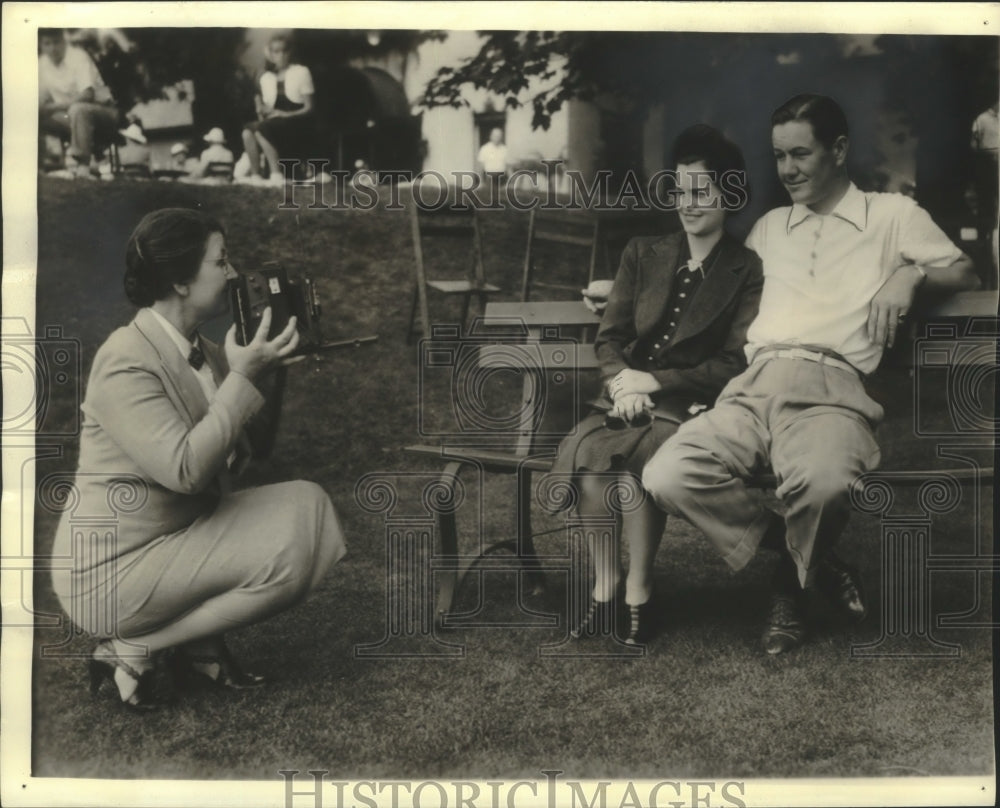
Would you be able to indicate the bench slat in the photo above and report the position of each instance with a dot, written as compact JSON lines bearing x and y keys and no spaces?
{"x":495,"y":459}
{"x":539,"y":356}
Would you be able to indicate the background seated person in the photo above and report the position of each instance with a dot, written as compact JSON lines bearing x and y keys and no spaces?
{"x":181,"y":160}
{"x":215,"y":152}
{"x":135,"y":154}
{"x":284,"y":106}
{"x":74,"y":103}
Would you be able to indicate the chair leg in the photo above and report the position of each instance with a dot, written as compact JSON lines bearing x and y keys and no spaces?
{"x":525,"y":541}
{"x":466,"y":299}
{"x":448,"y":543}
{"x":413,"y":315}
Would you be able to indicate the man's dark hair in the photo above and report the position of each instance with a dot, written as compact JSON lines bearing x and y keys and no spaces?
{"x":823,"y":113}
{"x":166,"y":247}
{"x":50,"y":33}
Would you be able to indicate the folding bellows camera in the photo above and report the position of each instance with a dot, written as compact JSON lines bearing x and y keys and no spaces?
{"x":252,"y":292}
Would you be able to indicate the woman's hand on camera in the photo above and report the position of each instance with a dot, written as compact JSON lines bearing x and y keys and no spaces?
{"x":630,"y":382}
{"x":261,"y":354}
{"x":630,"y":405}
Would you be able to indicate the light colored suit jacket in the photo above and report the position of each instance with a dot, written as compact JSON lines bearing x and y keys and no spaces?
{"x":153,"y":450}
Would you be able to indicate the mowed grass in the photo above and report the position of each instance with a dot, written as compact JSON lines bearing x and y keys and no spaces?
{"x":702,"y":702}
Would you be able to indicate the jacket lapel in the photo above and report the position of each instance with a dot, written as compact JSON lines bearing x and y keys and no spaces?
{"x":179,"y":380}
{"x":715,"y":291}
{"x":654,"y":288}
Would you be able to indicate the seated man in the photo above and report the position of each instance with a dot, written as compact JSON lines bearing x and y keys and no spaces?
{"x":215,"y":153}
{"x":841,"y":267}
{"x":74,"y":102}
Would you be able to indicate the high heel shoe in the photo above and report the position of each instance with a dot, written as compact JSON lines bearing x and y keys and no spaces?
{"x":103,"y":664}
{"x":643,"y":622}
{"x":219,"y":670}
{"x":599,"y":619}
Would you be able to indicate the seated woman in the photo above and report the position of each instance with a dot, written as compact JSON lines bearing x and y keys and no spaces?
{"x":670,"y":339}
{"x":163,"y":435}
{"x":284,"y":106}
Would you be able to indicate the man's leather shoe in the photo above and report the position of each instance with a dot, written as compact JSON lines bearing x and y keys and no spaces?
{"x":840,"y":583}
{"x":786,"y":624}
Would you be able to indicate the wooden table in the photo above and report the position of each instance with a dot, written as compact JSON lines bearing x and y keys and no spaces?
{"x":537,"y":347}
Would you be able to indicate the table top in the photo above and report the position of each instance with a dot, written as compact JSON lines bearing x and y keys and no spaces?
{"x":539,"y":313}
{"x":981,"y":303}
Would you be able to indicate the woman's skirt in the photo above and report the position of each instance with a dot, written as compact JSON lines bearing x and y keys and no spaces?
{"x":594,"y":448}
{"x":291,"y":137}
{"x":272,"y":544}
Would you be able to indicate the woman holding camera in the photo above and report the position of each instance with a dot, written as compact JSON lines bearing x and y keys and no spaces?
{"x":162,"y":438}
{"x":670,"y":339}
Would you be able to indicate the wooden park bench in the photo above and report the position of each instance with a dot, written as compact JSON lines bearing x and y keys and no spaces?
{"x":536,"y":347}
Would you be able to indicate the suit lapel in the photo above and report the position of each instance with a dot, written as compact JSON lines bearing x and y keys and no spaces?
{"x":656,"y":284}
{"x":715,"y":291}
{"x":178,"y":375}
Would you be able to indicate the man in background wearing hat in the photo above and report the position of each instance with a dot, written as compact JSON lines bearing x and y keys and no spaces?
{"x":215,"y":152}
{"x":74,"y":103}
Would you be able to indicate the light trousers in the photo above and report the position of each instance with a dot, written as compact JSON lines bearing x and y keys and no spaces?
{"x":87,"y":125}
{"x":810,"y":423}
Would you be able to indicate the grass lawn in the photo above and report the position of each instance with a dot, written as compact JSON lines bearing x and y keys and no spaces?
{"x":703,"y":701}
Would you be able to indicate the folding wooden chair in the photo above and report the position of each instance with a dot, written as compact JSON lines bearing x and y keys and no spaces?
{"x":455,"y":224}
{"x":220,"y":170}
{"x":135,"y":171}
{"x":562,"y":227}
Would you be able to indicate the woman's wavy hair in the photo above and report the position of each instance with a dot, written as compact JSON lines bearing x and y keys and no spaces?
{"x":706,"y":144}
{"x":166,"y":247}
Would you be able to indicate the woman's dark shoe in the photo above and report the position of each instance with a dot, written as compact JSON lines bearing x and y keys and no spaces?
{"x":644,"y":622}
{"x":103,"y":664}
{"x":219,"y":670}
{"x":599,"y":620}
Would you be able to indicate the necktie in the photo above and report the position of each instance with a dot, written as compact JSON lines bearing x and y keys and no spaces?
{"x":196,"y":358}
{"x":693,"y":266}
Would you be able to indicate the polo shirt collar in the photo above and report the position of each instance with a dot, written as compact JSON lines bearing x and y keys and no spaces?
{"x":853,"y":208}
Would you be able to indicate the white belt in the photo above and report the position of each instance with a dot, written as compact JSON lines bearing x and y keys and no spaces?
{"x":809,"y":356}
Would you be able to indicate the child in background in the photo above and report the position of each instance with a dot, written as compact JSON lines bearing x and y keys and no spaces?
{"x":181,"y":160}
